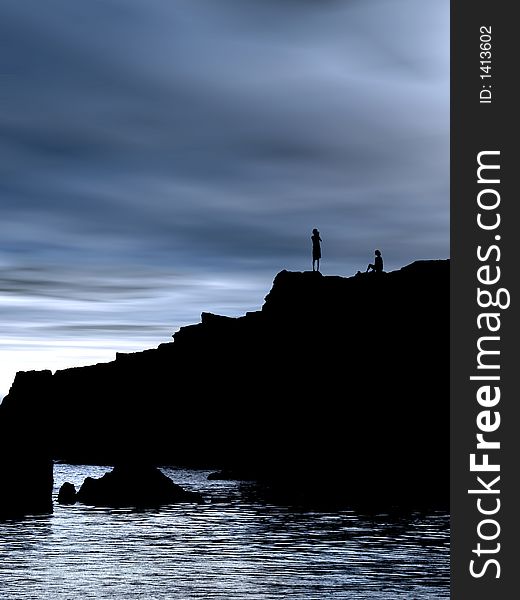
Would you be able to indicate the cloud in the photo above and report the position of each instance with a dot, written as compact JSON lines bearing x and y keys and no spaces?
{"x":149,"y":145}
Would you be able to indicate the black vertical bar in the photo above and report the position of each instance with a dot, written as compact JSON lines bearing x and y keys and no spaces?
{"x":483,"y":118}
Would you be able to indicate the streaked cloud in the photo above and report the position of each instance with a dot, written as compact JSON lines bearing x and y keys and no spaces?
{"x":163,"y":157}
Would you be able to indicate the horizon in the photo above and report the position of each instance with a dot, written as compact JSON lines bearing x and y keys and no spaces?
{"x":167,"y":159}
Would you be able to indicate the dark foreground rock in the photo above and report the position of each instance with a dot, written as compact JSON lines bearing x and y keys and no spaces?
{"x":26,"y":486}
{"x":26,"y":468}
{"x":338,"y":387}
{"x":134,"y":485}
{"x":67,"y":494}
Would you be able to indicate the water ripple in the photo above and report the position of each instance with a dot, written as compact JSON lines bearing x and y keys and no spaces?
{"x":228,"y":549}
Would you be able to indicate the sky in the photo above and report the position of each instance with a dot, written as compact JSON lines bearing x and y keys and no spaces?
{"x":160,"y":158}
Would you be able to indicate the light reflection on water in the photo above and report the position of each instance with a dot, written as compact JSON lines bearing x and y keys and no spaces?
{"x":228,"y":549}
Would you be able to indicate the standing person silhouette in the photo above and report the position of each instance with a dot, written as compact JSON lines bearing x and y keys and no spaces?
{"x":377,"y":267}
{"x":316,"y":249}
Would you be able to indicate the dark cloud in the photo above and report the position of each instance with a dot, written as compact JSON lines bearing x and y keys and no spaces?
{"x":159,"y":157}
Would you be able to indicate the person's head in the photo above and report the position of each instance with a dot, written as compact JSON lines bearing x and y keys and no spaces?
{"x":377,"y":253}
{"x":315,"y":231}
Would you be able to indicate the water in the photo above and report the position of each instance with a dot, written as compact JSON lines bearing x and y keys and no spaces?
{"x":233,"y":548}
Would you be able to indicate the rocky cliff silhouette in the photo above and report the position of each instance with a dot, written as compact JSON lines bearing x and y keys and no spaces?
{"x":337,"y":387}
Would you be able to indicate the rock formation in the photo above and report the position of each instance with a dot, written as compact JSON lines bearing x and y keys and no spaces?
{"x":338,"y":386}
{"x":67,"y":494}
{"x":135,"y":485}
{"x":25,"y":457}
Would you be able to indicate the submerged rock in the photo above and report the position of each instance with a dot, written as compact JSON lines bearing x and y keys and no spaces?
{"x":134,"y":485}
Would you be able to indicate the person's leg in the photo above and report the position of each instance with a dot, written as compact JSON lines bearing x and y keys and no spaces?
{"x":318,"y":264}
{"x":313,"y":264}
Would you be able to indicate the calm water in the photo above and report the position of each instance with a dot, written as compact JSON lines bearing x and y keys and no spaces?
{"x":228,"y":549}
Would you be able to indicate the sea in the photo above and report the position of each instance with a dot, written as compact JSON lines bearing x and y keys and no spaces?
{"x":236,"y":545}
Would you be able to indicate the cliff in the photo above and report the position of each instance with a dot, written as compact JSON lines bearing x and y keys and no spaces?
{"x":26,"y":476}
{"x":337,"y":382}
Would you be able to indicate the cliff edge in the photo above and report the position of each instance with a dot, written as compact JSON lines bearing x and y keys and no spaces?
{"x":337,"y":384}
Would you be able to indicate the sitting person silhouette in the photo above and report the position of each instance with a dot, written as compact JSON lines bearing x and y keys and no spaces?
{"x":377,"y":267}
{"x":316,"y":248}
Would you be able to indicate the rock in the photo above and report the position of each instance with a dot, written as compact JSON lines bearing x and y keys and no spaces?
{"x":338,"y":385}
{"x":67,"y":494}
{"x":134,"y":485}
{"x":26,"y":486}
{"x":26,"y":468}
